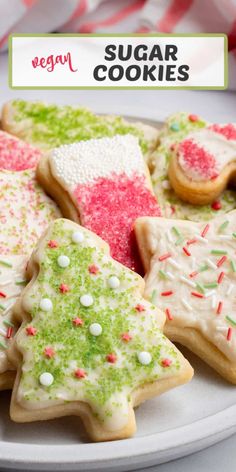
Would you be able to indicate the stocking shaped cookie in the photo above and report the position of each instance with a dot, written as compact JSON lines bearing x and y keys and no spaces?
{"x":47,"y":126}
{"x":89,"y":344}
{"x":105,"y":184}
{"x":25,"y":211}
{"x":203,"y":163}
{"x":178,"y":127}
{"x":191,"y":275}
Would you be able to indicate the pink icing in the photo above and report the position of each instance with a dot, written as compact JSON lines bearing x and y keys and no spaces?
{"x":198,"y":159}
{"x":16,"y":155}
{"x":109,"y":207}
{"x":228,"y":131}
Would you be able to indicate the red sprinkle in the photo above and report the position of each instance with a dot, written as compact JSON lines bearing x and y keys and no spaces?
{"x":205,"y":230}
{"x":229,"y":334}
{"x":31,"y":331}
{"x":166,"y":362}
{"x":126,"y":337}
{"x":112,"y":358}
{"x":186,"y":251}
{"x":93,"y":269}
{"x":169,"y":315}
{"x":193,"y":274}
{"x":167,"y":294}
{"x":9,"y":332}
{"x":221,"y":261}
{"x":197,"y":294}
{"x":193,"y":118}
{"x":219,"y":308}
{"x":172,"y":209}
{"x":140,"y":307}
{"x":220,"y":278}
{"x":216,"y":205}
{"x":164,"y":256}
{"x":49,"y":352}
{"x":77,"y":321}
{"x":3,"y":295}
{"x":80,"y":373}
{"x":52,"y":244}
{"x":64,"y":288}
{"x":191,"y":241}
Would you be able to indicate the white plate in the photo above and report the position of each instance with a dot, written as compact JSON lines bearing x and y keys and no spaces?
{"x":180,"y":422}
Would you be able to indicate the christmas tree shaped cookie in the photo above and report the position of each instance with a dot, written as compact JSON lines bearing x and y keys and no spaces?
{"x":89,"y":343}
{"x":25,"y":211}
{"x":191,"y":275}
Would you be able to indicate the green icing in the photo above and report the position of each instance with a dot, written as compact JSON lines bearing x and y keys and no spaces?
{"x":113,"y":309}
{"x":171,"y":205}
{"x":49,"y":126}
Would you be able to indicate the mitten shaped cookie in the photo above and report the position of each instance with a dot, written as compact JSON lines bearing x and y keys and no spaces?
{"x":204,"y":163}
{"x":175,"y":131}
{"x":191,"y":275}
{"x":89,"y":343}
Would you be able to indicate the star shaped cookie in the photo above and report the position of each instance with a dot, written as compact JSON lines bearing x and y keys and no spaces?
{"x":191,"y":275}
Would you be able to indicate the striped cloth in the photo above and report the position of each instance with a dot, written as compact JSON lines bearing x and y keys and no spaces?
{"x":105,"y":16}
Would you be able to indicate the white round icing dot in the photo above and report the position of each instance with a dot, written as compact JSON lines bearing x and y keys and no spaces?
{"x":113,"y":282}
{"x":86,"y":300}
{"x":95,"y":329}
{"x":77,"y":237}
{"x":45,"y":304}
{"x":46,"y":379}
{"x":144,"y":357}
{"x":63,"y":261}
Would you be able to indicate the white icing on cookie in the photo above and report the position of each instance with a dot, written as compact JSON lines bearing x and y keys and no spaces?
{"x":202,"y":295}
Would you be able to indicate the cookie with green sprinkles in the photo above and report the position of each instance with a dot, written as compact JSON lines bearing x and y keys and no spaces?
{"x":177,"y":128}
{"x":89,"y":343}
{"x":194,"y":282}
{"x":47,"y":126}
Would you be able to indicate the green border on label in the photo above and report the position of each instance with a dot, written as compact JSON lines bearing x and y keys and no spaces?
{"x":121,"y":35}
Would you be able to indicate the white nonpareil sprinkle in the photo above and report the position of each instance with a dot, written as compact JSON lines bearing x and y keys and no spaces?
{"x":77,"y":237}
{"x":226,"y":237}
{"x":173,"y":263}
{"x":170,"y":275}
{"x":186,"y":304}
{"x":169,"y":236}
{"x":166,"y":184}
{"x":86,"y":300}
{"x":211,"y":264}
{"x":83,"y":162}
{"x":144,"y":357}
{"x":63,"y":261}
{"x":113,"y":282}
{"x":3,"y":332}
{"x":45,"y":304}
{"x":95,"y":329}
{"x":210,"y":293}
{"x":187,"y":281}
{"x":213,"y":301}
{"x":46,"y":379}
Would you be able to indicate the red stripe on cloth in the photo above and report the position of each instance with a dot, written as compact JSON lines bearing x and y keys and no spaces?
{"x":112,"y":20}
{"x":143,"y":29}
{"x":79,"y":10}
{"x":232,"y":37}
{"x":4,"y":39}
{"x":173,"y":15}
{"x":28,"y":3}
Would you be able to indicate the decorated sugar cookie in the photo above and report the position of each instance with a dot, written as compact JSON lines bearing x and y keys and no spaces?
{"x":175,"y":131}
{"x":47,"y":126}
{"x":25,"y":211}
{"x":191,"y":275}
{"x":89,"y":343}
{"x":105,"y":184}
{"x":203,"y":163}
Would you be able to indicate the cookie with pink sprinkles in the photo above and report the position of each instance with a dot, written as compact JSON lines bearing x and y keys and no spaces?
{"x":104,"y":184}
{"x":25,"y":211}
{"x":203,"y":163}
